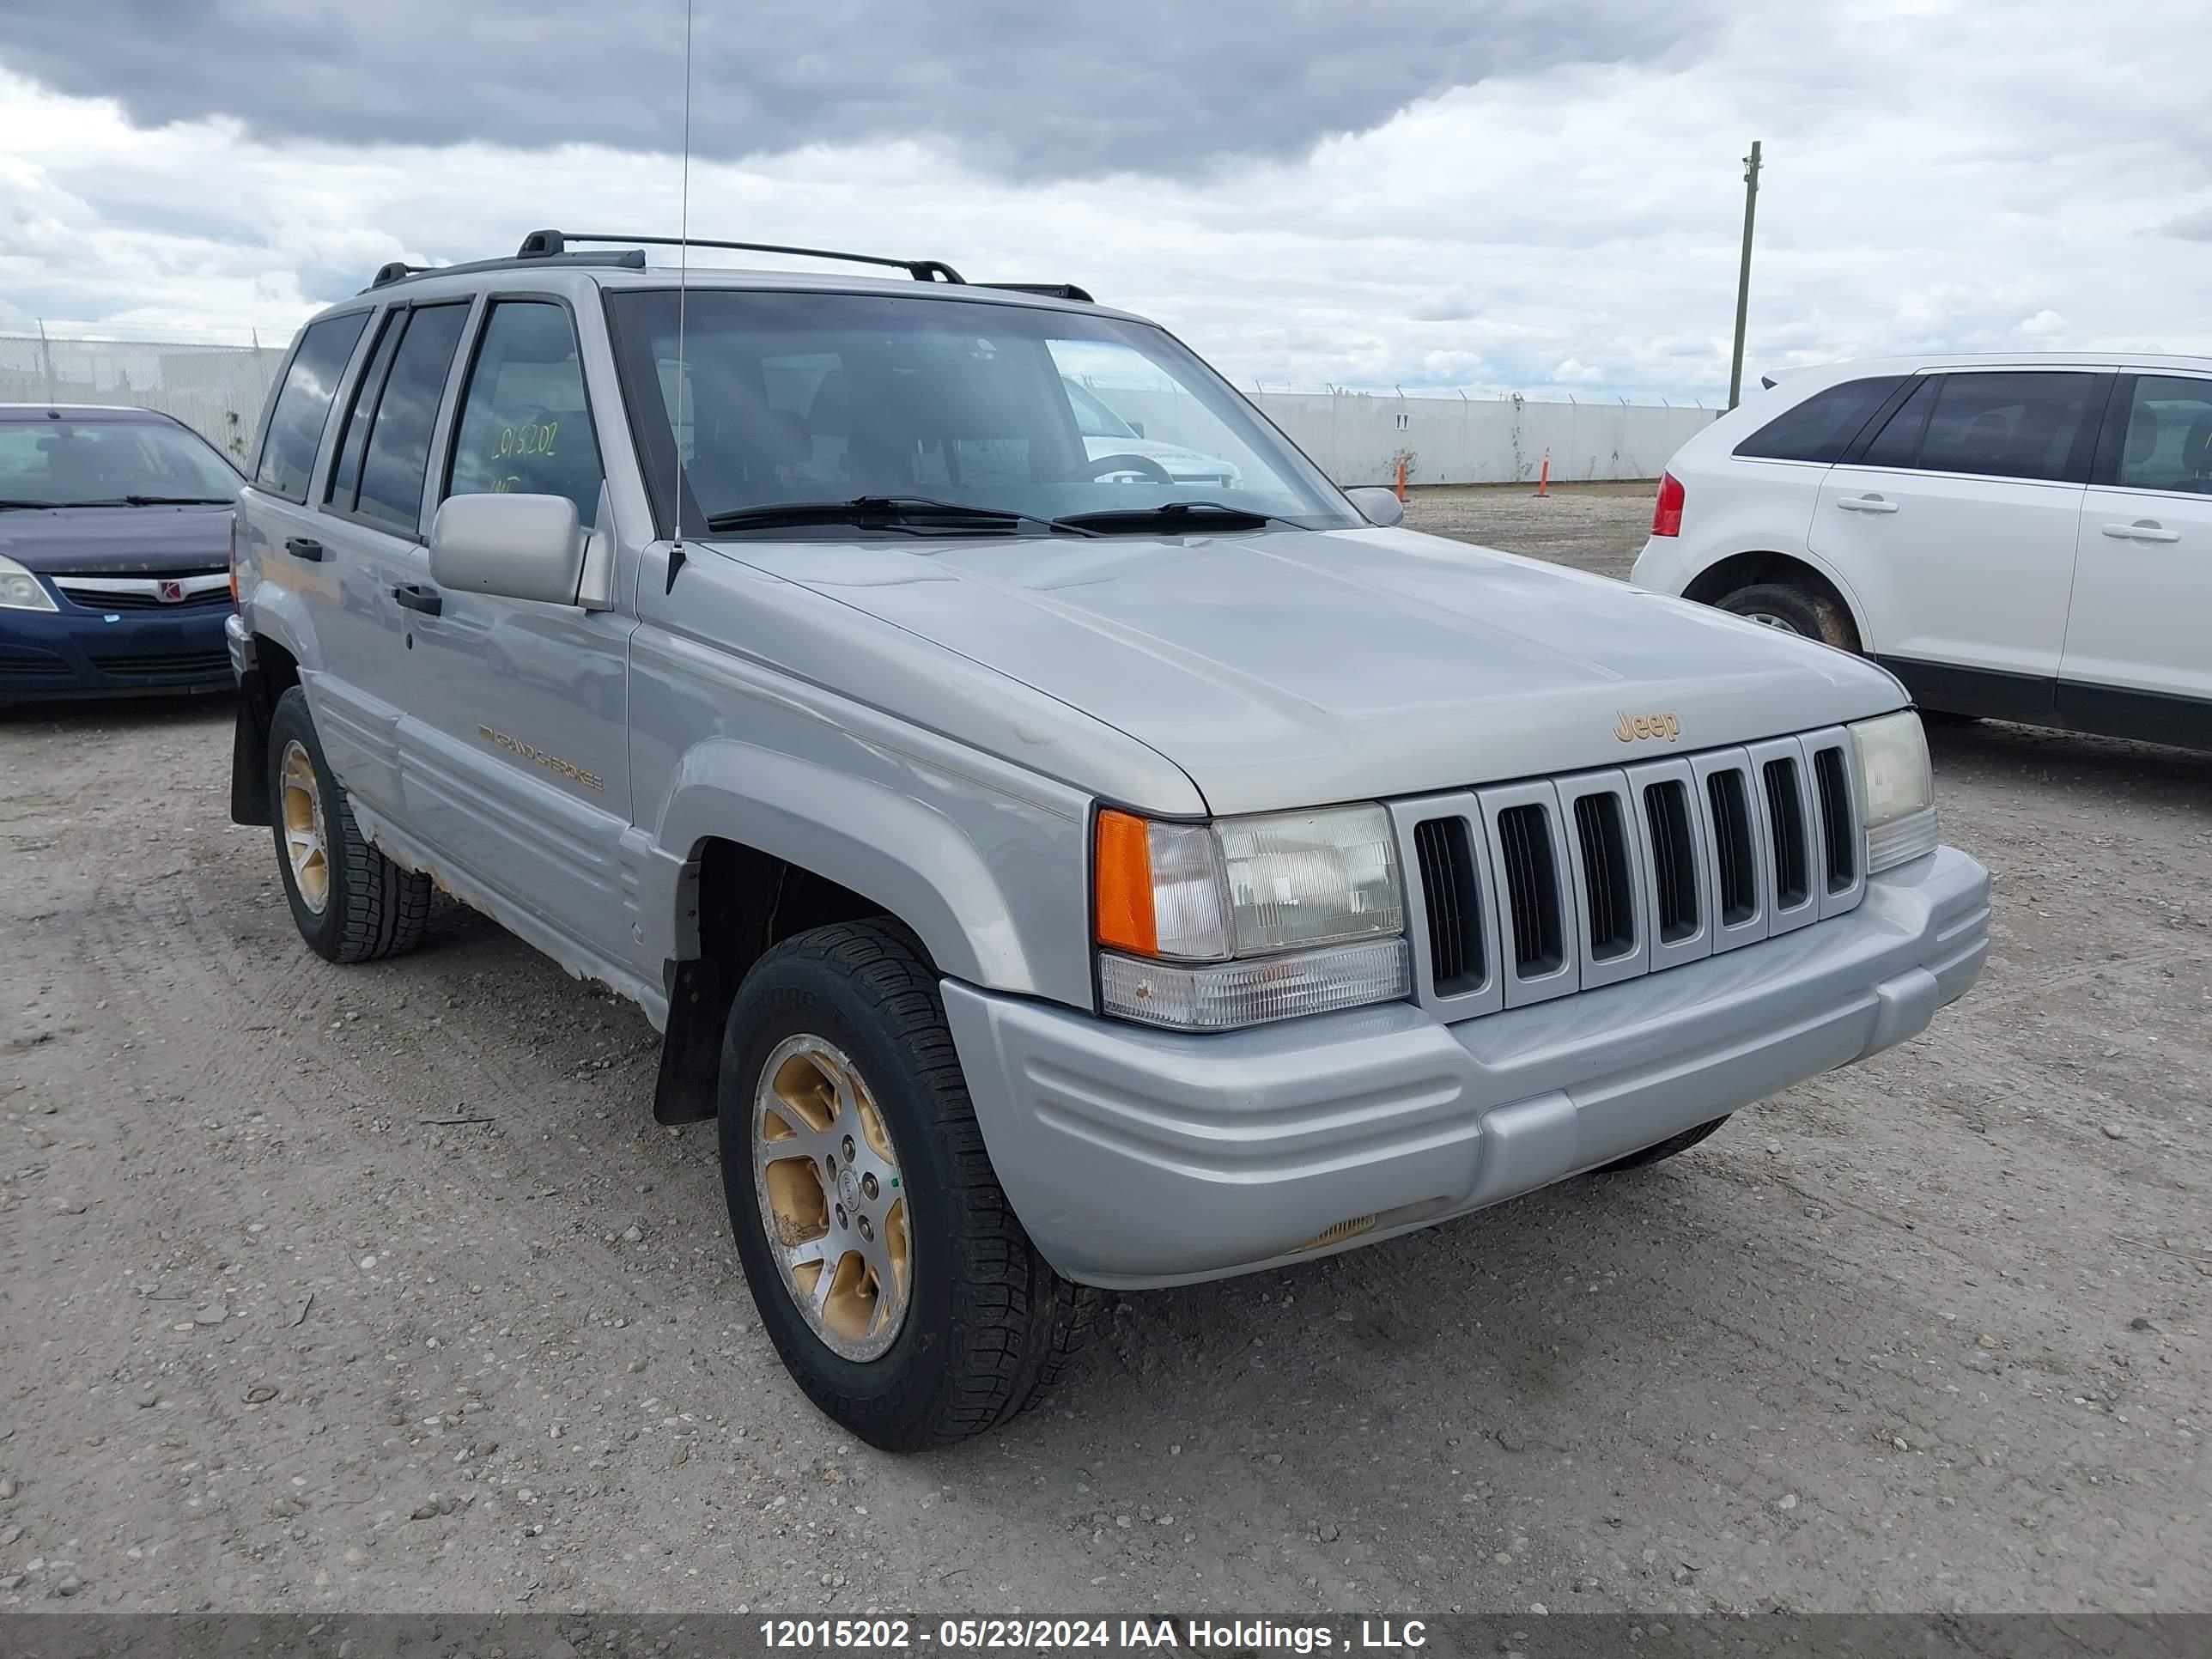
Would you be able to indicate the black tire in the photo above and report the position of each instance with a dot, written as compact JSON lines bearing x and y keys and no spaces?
{"x":1667,"y":1148}
{"x":371,"y":907}
{"x":1796,"y":609}
{"x":988,"y":1326}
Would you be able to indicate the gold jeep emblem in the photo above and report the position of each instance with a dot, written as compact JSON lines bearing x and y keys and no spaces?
{"x":1634,"y":728}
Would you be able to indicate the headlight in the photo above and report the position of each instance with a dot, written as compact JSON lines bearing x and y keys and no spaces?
{"x":20,"y":591}
{"x":1897,"y":789}
{"x":1208,"y":927}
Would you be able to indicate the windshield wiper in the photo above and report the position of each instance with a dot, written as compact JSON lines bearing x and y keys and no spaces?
{"x":135,"y":501}
{"x":1172,"y":515}
{"x":889,"y":512}
{"x":10,"y":504}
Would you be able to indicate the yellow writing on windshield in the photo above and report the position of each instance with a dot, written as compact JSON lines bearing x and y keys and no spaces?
{"x":534,"y":438}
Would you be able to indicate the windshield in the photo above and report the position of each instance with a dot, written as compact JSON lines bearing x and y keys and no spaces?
{"x":825,"y":398}
{"x":50,"y":463}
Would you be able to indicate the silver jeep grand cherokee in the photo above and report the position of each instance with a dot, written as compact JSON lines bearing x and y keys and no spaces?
{"x":1046,"y":877}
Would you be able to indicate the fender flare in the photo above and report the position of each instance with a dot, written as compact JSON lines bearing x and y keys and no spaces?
{"x":280,"y":615}
{"x":892,"y":849}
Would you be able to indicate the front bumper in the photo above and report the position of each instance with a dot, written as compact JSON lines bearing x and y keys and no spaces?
{"x":52,"y":655}
{"x":1138,"y":1159}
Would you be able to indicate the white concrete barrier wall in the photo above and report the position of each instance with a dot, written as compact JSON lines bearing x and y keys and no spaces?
{"x":1358,"y":438}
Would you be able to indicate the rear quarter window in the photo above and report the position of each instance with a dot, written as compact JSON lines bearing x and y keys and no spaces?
{"x":303,"y":404}
{"x":1822,"y":426}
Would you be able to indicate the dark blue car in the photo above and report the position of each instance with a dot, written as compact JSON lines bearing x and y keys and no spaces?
{"x":114,"y":554}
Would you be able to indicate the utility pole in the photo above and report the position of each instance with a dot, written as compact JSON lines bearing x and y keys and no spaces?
{"x":1743,"y":273}
{"x":46,"y":356}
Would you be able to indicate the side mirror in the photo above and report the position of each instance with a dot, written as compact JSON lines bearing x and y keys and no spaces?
{"x":1137,"y":426}
{"x":517,"y":547}
{"x":1378,"y":504}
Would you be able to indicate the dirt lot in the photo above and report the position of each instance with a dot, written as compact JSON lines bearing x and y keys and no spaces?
{"x":377,"y":1288}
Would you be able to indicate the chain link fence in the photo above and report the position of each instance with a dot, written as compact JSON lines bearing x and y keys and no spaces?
{"x":216,"y":390}
{"x":1357,"y":437}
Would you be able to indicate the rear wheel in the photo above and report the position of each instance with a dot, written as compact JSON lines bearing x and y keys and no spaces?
{"x":1794,"y":608}
{"x":1667,"y":1148}
{"x":897,"y":1285}
{"x":351,"y":902}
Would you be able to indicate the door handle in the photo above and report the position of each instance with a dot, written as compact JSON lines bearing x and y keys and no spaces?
{"x":2143,"y":530}
{"x":419,"y":595}
{"x":1865,"y":504}
{"x":305,"y":547}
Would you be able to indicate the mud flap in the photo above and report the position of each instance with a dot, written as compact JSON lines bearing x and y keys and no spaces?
{"x":249,"y":752}
{"x":691,"y":1044}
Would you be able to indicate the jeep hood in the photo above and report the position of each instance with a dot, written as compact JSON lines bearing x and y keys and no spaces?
{"x":1292,"y":668}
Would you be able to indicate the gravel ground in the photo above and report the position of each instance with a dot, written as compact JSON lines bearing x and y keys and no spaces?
{"x":378,"y":1288}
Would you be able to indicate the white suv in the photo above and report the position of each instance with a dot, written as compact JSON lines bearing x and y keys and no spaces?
{"x":2026,"y":539}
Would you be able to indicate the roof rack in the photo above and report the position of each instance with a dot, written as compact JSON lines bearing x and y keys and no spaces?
{"x":554,"y":244}
{"x":397,"y":271}
{"x":1050,"y":290}
{"x":552,"y":247}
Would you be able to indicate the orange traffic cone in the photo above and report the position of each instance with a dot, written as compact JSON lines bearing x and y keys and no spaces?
{"x":1402,"y":479}
{"x":1544,"y":476}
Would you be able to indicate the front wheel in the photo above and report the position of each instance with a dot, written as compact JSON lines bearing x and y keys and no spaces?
{"x":891,"y":1273}
{"x":1667,"y":1148}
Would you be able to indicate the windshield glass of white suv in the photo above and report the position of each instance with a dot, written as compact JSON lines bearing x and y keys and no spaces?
{"x":824,"y":396}
{"x":50,"y":463}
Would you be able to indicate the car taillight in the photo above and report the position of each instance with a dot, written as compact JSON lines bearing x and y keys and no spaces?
{"x":1667,"y":511}
{"x":234,"y":561}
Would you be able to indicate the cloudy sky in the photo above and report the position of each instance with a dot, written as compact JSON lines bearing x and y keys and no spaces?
{"x":1487,"y":194}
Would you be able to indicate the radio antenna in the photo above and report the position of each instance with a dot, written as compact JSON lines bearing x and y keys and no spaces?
{"x":682,"y":284}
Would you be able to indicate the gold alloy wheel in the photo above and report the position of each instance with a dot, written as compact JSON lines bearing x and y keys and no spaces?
{"x":831,"y":1199}
{"x":306,"y":846}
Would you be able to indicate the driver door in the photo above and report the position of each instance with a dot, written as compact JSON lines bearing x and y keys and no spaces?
{"x":520,"y":770}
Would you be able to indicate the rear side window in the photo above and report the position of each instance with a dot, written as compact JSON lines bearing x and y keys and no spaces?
{"x":345,"y":474}
{"x":1822,"y":426}
{"x":303,"y":404}
{"x":2026,"y":425}
{"x":2169,"y":441}
{"x":524,"y":427}
{"x":398,"y":455}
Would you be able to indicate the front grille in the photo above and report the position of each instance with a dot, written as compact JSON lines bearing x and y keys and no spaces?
{"x":1785,"y":817}
{"x":1445,"y":853}
{"x":171,"y":662}
{"x":1532,"y":890}
{"x":1674,"y":858}
{"x":1732,"y":836}
{"x":31,"y":667}
{"x":1607,"y":888}
{"x":1603,"y":876}
{"x":93,"y":598}
{"x":1838,"y":840}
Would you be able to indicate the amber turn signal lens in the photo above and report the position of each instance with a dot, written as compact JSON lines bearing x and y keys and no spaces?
{"x":1125,"y":884}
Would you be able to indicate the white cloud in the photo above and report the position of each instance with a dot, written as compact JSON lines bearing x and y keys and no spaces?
{"x":1446,"y":305}
{"x":1939,"y":177}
